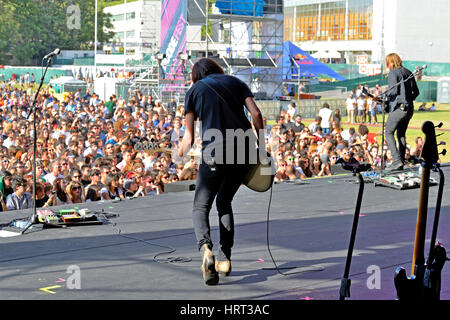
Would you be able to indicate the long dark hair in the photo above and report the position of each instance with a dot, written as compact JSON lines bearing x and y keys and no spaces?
{"x":205,"y":67}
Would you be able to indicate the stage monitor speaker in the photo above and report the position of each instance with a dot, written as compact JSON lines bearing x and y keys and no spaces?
{"x":181,"y":186}
{"x":338,"y":169}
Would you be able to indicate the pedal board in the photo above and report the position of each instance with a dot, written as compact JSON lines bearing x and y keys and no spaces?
{"x":67,"y":217}
{"x":402,"y":181}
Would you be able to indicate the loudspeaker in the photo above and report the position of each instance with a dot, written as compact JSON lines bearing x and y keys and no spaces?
{"x":187,"y":185}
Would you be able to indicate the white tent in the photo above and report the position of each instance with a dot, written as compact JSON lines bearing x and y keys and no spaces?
{"x":320,"y":55}
{"x":331,"y":54}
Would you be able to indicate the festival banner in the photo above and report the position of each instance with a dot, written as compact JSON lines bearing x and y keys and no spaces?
{"x":173,"y":38}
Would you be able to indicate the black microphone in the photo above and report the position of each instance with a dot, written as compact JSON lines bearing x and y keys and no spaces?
{"x":52,"y":54}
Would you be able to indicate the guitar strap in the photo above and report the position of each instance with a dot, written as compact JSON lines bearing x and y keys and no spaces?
{"x":252,"y":172}
{"x":219,"y":92}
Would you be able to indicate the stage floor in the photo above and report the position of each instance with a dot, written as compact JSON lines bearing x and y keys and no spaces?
{"x":309,"y":231}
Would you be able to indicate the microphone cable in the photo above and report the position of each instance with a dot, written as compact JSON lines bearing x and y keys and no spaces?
{"x":155,"y":257}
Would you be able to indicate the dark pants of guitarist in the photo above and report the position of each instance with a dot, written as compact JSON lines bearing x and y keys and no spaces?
{"x":397,"y":123}
{"x":220,"y":182}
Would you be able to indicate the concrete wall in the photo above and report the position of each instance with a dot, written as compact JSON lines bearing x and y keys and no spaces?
{"x":421,"y":30}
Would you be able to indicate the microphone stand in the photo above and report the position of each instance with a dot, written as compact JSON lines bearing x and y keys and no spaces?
{"x":33,"y":217}
{"x":356,"y":168}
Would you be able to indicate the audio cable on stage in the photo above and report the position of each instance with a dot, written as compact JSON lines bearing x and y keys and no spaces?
{"x":268,"y":246}
{"x":155,"y":257}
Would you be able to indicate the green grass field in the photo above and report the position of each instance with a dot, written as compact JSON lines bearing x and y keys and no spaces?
{"x":442,"y":114}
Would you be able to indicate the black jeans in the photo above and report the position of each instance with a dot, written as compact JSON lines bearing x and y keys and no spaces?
{"x":220,"y":184}
{"x":398,"y":120}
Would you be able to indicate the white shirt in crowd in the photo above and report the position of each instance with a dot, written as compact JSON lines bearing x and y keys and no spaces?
{"x":361,"y":104}
{"x":350,"y":103}
{"x":325,"y":114}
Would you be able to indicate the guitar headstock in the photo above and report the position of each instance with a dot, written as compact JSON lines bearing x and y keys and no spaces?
{"x":366,"y":93}
{"x":429,"y":151}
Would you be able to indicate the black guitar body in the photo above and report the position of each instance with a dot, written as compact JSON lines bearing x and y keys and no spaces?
{"x":425,"y":284}
{"x":409,"y":288}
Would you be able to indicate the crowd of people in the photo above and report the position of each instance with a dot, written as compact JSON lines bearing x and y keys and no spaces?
{"x":313,"y":150}
{"x":86,"y":147}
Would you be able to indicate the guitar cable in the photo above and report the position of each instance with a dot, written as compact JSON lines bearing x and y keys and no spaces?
{"x":278,"y":269}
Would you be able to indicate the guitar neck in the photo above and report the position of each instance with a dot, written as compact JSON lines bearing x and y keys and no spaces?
{"x":419,"y":242}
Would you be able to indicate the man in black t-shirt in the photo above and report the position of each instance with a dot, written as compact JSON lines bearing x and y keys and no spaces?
{"x":298,"y":125}
{"x":217,"y":101}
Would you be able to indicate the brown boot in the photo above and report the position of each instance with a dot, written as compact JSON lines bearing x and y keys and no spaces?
{"x":210,"y":275}
{"x":223,"y":267}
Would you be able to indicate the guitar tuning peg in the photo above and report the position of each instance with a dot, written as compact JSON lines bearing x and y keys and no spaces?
{"x":439,"y":125}
{"x":444,"y":152}
{"x":440,"y":134}
{"x":442,"y":143}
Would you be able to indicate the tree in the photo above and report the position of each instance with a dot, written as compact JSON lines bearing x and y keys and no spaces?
{"x":29,"y":29}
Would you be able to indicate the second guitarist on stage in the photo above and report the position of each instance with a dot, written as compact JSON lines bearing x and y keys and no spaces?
{"x":400,"y":108}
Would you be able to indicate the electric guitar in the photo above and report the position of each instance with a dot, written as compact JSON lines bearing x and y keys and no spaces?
{"x":261,"y":175}
{"x":425,"y":280}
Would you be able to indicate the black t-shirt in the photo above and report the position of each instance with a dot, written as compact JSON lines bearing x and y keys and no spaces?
{"x":298,"y":128}
{"x":40,"y":202}
{"x":220,"y":108}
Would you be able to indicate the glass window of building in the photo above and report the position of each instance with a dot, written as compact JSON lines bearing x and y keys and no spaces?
{"x":117,"y":17}
{"x":322,"y":21}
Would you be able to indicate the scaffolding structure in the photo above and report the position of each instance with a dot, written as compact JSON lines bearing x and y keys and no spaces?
{"x":245,"y":37}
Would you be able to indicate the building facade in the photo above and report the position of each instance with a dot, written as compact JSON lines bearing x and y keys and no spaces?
{"x":417,"y":30}
{"x":136,"y":27}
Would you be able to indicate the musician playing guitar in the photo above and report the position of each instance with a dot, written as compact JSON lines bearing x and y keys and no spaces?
{"x":400,"y":107}
{"x":218,"y":101}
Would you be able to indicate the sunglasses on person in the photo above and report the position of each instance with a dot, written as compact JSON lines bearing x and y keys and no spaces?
{"x":76,"y":188}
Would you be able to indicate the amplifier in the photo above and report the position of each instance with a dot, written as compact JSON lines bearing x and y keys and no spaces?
{"x":187,"y":185}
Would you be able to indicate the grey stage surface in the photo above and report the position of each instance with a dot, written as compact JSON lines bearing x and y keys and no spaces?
{"x":309,"y":229}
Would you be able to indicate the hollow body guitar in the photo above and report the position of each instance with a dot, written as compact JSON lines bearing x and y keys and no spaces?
{"x":425,"y":280}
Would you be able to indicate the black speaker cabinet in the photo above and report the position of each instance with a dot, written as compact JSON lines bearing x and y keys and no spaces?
{"x":187,"y":185}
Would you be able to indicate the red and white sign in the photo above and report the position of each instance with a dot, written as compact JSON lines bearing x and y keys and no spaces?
{"x":362,"y":59}
{"x":370,"y":69}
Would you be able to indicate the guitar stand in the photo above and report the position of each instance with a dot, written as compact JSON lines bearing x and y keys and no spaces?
{"x":425,"y":280}
{"x":345,"y":281}
{"x":437,"y":254}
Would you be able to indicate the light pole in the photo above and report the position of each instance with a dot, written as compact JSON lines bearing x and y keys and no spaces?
{"x":430,"y":44}
{"x":95,"y":40}
{"x":207,"y":25}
